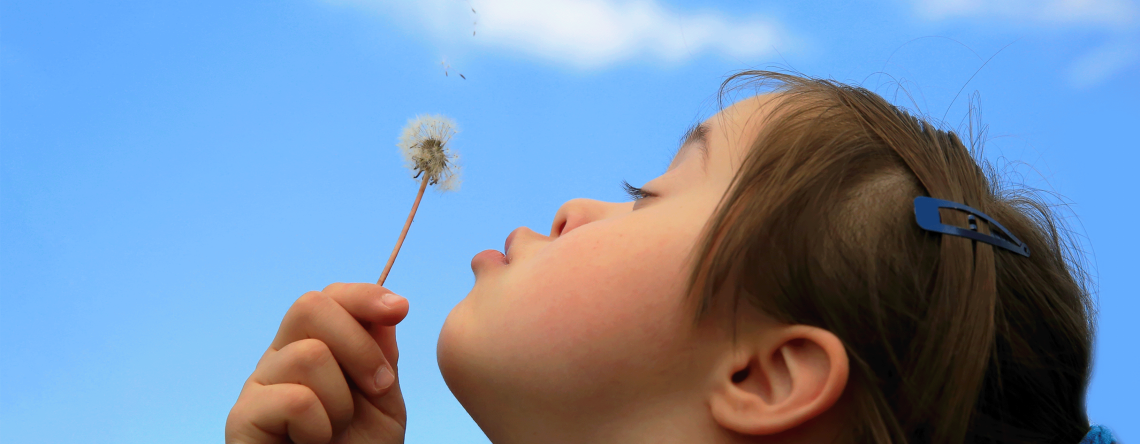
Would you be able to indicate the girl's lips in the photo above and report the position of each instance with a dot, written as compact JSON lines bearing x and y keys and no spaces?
{"x":489,"y":256}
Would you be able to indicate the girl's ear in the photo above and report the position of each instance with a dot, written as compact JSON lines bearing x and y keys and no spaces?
{"x":782,"y":379}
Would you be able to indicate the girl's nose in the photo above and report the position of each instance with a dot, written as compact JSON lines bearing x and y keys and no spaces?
{"x":577,"y":212}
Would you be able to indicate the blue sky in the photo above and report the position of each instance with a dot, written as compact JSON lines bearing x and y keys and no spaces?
{"x":173,"y":175}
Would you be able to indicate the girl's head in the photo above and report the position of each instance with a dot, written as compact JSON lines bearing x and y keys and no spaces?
{"x":773,"y":285}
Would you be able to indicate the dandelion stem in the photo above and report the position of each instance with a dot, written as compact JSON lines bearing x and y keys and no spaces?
{"x":404,"y":233}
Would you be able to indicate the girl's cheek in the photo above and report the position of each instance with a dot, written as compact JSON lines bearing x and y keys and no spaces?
{"x":573,"y":322}
{"x":591,"y":296}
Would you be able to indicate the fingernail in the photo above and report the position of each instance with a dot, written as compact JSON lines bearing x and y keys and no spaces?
{"x":390,"y":299}
{"x":384,"y":378}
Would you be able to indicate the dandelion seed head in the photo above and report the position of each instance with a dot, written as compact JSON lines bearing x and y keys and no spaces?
{"x":424,"y":146}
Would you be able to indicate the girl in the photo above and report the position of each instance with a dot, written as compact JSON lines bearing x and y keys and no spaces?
{"x":788,"y":279}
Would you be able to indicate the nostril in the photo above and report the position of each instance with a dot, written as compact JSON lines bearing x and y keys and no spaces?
{"x":740,"y":375}
{"x":561,"y":226}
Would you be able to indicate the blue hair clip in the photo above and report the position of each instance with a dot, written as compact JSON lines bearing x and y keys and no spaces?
{"x":926,"y":213}
{"x":1099,"y":434}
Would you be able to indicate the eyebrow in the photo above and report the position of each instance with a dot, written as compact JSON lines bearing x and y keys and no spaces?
{"x":696,"y":135}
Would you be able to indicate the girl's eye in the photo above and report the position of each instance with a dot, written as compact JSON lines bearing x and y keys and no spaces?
{"x":635,"y":193}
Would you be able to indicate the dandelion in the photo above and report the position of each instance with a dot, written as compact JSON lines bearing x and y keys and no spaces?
{"x":423,"y":144}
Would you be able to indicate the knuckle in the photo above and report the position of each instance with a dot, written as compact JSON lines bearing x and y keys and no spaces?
{"x":298,"y":399}
{"x":311,"y":298}
{"x":232,"y":422}
{"x":310,"y":302}
{"x":310,"y":353}
{"x":335,"y":286}
{"x":237,"y":413}
{"x":244,"y":409}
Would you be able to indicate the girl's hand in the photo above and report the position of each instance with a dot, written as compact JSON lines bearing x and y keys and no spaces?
{"x":319,"y":381}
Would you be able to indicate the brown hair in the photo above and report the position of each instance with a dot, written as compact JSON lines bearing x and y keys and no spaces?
{"x":949,"y":340}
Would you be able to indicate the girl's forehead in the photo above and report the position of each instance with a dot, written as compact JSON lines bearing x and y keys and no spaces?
{"x":745,"y":113}
{"x":732,"y":130}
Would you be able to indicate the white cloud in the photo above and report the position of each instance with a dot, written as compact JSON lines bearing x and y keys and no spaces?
{"x":1118,"y":20}
{"x":589,"y":33}
{"x":1111,"y":13}
{"x":1103,"y":62}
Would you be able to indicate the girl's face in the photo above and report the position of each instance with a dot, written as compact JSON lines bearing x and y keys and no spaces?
{"x":585,"y":325}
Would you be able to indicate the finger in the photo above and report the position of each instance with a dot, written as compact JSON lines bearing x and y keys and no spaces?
{"x":315,"y":315}
{"x":360,"y":300}
{"x":385,"y":336}
{"x":380,"y":424}
{"x":273,"y":412}
{"x":310,"y":363}
{"x":368,"y":302}
{"x":391,"y":403}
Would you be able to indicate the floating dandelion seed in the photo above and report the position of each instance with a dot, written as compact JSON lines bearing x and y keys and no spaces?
{"x":424,"y":146}
{"x":475,"y":22}
{"x":447,"y":66}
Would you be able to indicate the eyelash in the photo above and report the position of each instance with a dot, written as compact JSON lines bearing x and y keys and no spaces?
{"x":635,"y":193}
